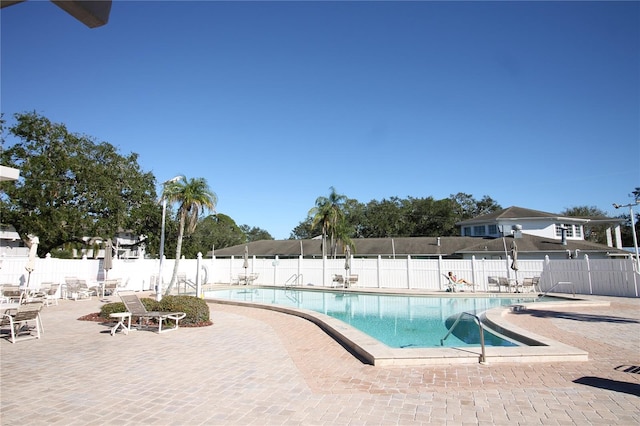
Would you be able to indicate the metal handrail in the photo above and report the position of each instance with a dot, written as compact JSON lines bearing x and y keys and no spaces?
{"x":573,"y":288}
{"x":186,"y":283}
{"x":483,"y":357}
{"x":293,"y":280}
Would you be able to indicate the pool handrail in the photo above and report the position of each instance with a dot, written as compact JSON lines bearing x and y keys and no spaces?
{"x":293,"y":280}
{"x":483,"y":357}
{"x":573,"y":288}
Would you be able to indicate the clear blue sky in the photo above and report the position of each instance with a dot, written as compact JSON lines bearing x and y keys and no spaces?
{"x":535,"y":104}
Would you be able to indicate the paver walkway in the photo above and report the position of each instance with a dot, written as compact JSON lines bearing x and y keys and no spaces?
{"x":266,"y":368}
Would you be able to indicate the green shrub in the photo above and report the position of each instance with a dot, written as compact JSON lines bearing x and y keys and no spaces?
{"x":151,"y":304}
{"x":111,"y":308}
{"x":62,"y":254}
{"x":196,"y":309}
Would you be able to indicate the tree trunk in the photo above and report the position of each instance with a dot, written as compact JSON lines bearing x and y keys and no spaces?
{"x":174,"y":276}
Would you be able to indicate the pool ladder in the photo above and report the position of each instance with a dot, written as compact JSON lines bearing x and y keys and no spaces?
{"x":294,"y":280}
{"x":483,"y":357}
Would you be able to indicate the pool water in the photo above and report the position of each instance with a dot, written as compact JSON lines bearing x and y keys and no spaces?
{"x":398,"y":321}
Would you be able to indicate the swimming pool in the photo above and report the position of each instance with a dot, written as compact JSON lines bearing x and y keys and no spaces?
{"x":398,"y":321}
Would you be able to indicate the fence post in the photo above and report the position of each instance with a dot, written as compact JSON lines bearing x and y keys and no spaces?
{"x":408,"y":265}
{"x":440,"y":272}
{"x":198,"y":284}
{"x":586,"y":259}
{"x":635,"y":274}
{"x":275,"y":263}
{"x":48,"y":267}
{"x":548,"y":277}
{"x":213,"y":268}
{"x":378,"y":266}
{"x":85,"y":268}
{"x":473,"y":270}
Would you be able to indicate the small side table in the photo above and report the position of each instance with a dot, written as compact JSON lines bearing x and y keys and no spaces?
{"x":121,"y":316}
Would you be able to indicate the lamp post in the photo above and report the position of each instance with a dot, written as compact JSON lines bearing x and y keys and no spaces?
{"x":633,"y":230}
{"x":164,"y":214}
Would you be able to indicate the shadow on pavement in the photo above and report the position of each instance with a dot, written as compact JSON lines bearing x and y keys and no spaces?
{"x":614,"y":385}
{"x":576,"y":316}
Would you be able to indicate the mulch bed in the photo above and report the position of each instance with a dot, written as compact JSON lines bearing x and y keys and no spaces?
{"x":97,"y":318}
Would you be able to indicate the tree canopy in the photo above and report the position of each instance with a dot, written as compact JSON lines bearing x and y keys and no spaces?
{"x":393,"y":217}
{"x":72,"y":187}
{"x":254,"y":233}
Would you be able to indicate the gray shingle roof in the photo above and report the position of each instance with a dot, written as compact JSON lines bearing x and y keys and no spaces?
{"x":510,"y":213}
{"x":429,"y":246}
{"x":414,"y":246}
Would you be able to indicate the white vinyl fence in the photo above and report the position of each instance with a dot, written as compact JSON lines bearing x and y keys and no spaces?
{"x":599,"y":277}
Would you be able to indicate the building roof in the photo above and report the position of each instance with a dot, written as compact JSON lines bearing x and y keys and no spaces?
{"x":518,"y":213}
{"x":435,"y":246}
{"x":415,"y":247}
{"x":535,"y":244}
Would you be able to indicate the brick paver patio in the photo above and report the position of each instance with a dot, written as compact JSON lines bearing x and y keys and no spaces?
{"x":266,"y":368}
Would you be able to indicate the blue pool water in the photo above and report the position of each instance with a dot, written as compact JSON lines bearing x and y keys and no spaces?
{"x":396,"y":320}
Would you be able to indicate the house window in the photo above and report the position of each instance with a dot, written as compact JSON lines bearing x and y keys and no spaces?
{"x":569,"y":229}
{"x":558,"y":230}
{"x":466,"y":231}
{"x":578,"y":231}
{"x":493,"y":229}
{"x":478,"y":230}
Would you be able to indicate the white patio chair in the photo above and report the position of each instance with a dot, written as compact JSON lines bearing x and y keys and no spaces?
{"x":22,"y":323}
{"x":51,"y":295}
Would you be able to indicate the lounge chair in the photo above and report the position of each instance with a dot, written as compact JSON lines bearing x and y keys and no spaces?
{"x":351,"y":280}
{"x":111,"y":287}
{"x":12,"y":293}
{"x":531,"y":285}
{"x":339,"y":279}
{"x":452,"y":286}
{"x":245,"y":279}
{"x":77,"y":289}
{"x":51,"y":295}
{"x":500,"y":282}
{"x":536,"y":284}
{"x":36,"y":295}
{"x":83,"y":291}
{"x":47,"y":293}
{"x":134,"y":305}
{"x":18,"y":322}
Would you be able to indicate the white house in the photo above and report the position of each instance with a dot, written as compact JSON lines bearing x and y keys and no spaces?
{"x":533,"y":222}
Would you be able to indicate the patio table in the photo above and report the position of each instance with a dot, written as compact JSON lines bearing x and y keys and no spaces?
{"x":121,"y":316}
{"x":4,"y":307}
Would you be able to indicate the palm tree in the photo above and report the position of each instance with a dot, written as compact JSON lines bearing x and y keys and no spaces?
{"x":194,"y":197}
{"x":343,"y":235}
{"x":330,"y":212}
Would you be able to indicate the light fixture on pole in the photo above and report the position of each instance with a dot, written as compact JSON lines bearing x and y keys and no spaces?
{"x":164,"y":214}
{"x":633,"y":230}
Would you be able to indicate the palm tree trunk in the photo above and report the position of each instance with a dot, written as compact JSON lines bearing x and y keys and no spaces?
{"x":174,"y":276}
